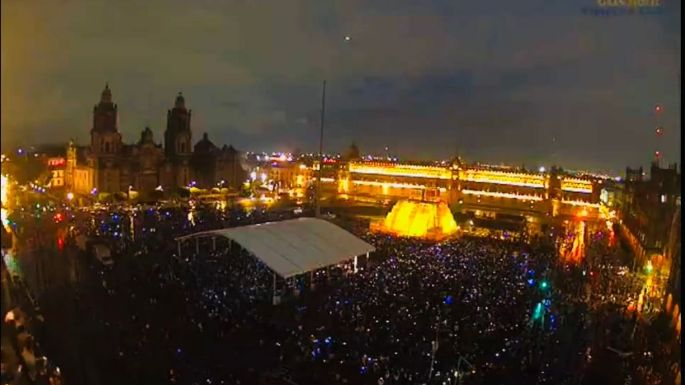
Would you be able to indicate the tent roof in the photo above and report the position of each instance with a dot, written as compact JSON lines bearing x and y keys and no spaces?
{"x":295,"y":246}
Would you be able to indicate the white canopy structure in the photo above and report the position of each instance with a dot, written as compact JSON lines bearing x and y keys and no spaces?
{"x":295,"y":246}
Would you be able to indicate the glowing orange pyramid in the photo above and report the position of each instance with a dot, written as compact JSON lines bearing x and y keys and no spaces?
{"x":410,"y":218}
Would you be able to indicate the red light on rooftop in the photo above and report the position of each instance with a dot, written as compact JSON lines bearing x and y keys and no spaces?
{"x":659,"y":130}
{"x":658,"y":108}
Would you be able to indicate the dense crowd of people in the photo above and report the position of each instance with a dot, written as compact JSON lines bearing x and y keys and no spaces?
{"x":481,"y":309}
{"x":466,"y":310}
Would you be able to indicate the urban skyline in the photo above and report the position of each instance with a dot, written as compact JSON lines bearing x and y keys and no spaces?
{"x":386,"y":151}
{"x":311,"y":192}
{"x":555,"y":95}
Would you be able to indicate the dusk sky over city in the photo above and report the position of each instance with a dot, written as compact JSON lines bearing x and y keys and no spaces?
{"x":334,"y":192}
{"x":534,"y":82}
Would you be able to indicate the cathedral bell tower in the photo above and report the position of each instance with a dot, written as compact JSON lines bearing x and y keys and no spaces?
{"x":177,"y":142}
{"x":105,"y":139}
{"x":178,"y":137}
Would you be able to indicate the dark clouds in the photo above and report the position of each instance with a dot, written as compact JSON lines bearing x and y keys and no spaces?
{"x":533,"y":81}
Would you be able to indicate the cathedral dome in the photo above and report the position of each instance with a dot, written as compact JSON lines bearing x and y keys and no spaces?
{"x":146,"y":136}
{"x":204,"y":145}
{"x":180,"y":101}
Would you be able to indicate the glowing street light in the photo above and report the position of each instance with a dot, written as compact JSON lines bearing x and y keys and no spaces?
{"x":70,"y":196}
{"x":4,"y":195}
{"x":4,"y":186}
{"x":649,"y":267}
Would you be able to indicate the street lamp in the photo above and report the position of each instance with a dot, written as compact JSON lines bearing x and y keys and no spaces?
{"x":317,"y":210}
{"x":318,"y":178}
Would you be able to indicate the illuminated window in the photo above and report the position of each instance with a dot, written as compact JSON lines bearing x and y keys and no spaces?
{"x":663,"y":198}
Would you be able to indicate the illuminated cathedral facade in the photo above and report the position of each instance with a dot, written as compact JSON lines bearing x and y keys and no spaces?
{"x":108,"y":165}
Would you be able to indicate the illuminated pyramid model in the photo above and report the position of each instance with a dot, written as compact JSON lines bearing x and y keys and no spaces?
{"x":411,"y":218}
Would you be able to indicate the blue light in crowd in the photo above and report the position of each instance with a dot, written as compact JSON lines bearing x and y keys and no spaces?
{"x":328,"y":341}
{"x":531,"y":282}
{"x":531,"y":272}
{"x":448,"y":300}
{"x":362,"y":370}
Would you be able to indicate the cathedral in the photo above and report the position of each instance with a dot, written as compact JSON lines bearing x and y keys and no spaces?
{"x":108,"y":165}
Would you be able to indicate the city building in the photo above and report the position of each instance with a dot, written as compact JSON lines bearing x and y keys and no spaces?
{"x":108,"y":165}
{"x":476,"y":191}
{"x":647,"y":212}
{"x":214,"y":166}
{"x":673,"y":302}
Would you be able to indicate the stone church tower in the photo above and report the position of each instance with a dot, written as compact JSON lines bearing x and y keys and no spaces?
{"x":177,"y":145}
{"x":105,"y":143}
{"x":105,"y":139}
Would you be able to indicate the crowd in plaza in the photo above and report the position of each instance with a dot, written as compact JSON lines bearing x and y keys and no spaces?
{"x":466,"y":310}
{"x":22,"y":355}
{"x":481,"y":309}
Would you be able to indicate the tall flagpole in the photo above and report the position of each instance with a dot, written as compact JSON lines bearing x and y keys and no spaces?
{"x":318,"y":179}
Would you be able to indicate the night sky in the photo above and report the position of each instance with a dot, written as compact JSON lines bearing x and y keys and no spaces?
{"x":533,"y":82}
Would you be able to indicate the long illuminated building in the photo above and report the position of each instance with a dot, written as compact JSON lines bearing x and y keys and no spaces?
{"x":400,"y":170}
{"x":474,"y":189}
{"x":394,"y":180}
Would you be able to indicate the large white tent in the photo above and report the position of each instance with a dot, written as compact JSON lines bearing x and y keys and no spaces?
{"x":295,"y":246}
